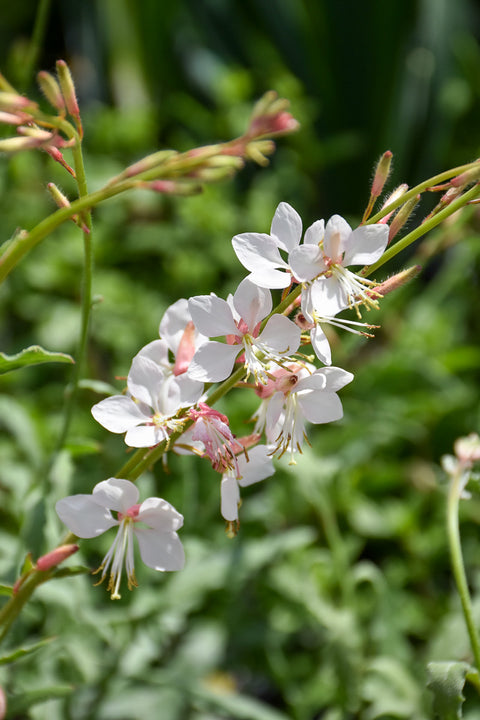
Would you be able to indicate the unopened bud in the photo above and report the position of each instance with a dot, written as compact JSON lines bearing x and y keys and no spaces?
{"x":467,"y":177}
{"x":171,"y":187}
{"x":382,"y":172}
{"x":34,"y":132}
{"x":55,"y":557}
{"x":14,"y":144}
{"x":56,"y":155}
{"x":12,"y":101}
{"x":393,"y":197}
{"x":3,"y":704}
{"x":13,"y":119}
{"x":258,"y":150}
{"x":68,"y":90}
{"x":402,"y":216}
{"x":270,"y":116}
{"x":148,"y":163}
{"x":58,"y":196}
{"x":395,"y":281}
{"x":51,"y":89}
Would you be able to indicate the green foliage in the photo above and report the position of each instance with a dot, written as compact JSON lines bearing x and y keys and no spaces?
{"x":337,"y":591}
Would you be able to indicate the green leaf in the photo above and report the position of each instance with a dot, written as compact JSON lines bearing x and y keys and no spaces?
{"x":6,"y":590}
{"x":33,"y":355}
{"x":446,"y":680}
{"x":22,"y":652}
{"x":21,"y":703}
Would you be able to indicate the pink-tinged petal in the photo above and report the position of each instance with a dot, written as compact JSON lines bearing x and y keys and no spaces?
{"x":315,"y":233}
{"x":213,"y":361}
{"x":118,"y":413}
{"x":258,"y":253}
{"x":328,"y":297}
{"x":281,"y":335}
{"x":160,"y":515}
{"x":145,"y":436}
{"x":252,"y":303}
{"x":229,"y":498}
{"x":337,"y":232}
{"x":366,"y":244}
{"x":173,"y":323}
{"x":320,"y":345}
{"x":83,"y":516}
{"x":161,"y":551}
{"x":306,"y":262}
{"x":211,"y":315}
{"x":335,"y":377}
{"x":258,"y":467}
{"x":157,"y":350}
{"x":115,"y":494}
{"x":286,"y":227}
{"x":145,"y":380}
{"x":321,"y":407}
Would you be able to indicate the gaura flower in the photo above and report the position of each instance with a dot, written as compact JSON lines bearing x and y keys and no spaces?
{"x":251,"y":468}
{"x":212,"y":429}
{"x":154,"y":523}
{"x":239,"y":320}
{"x":148,"y":413}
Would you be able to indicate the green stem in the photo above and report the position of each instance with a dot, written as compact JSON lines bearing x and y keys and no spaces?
{"x":458,"y":567}
{"x":86,"y":298}
{"x":425,"y":227}
{"x":33,"y":50}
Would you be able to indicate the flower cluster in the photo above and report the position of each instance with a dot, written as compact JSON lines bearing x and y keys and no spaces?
{"x":167,"y":402}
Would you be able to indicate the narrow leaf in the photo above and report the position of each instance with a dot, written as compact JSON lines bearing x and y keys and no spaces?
{"x":33,"y":355}
{"x":22,"y":652}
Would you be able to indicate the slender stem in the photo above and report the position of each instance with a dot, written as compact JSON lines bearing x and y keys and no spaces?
{"x":33,"y":50}
{"x":423,"y":228}
{"x":457,"y":561}
{"x":86,"y":298}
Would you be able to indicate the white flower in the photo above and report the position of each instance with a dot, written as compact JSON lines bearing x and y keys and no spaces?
{"x":320,"y":264}
{"x":240,"y":321}
{"x":260,"y":253}
{"x":257,"y":467}
{"x":148,"y":413}
{"x":297,"y":396}
{"x":153,"y":522}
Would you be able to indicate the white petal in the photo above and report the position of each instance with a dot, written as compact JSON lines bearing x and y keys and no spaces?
{"x":259,"y":253}
{"x":306,"y":262}
{"x":118,"y":413}
{"x":156,"y":351}
{"x":314,"y":381}
{"x":286,"y":227}
{"x":145,"y":380}
{"x":190,"y":391}
{"x":320,"y":345}
{"x":213,"y":361}
{"x":258,"y":467}
{"x":230,"y":497}
{"x":173,"y":323}
{"x":336,"y":378}
{"x":211,"y":315}
{"x":337,"y":232}
{"x":115,"y":494}
{"x":281,"y":335}
{"x":274,"y":410}
{"x":321,"y":407}
{"x":270,"y":278}
{"x":315,"y":233}
{"x":328,"y":296}
{"x":83,"y":516}
{"x":366,"y":244}
{"x":160,"y":515}
{"x":145,"y":436}
{"x":160,"y":550}
{"x":252,"y":303}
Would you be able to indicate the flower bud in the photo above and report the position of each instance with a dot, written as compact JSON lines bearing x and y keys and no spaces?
{"x":13,"y":118}
{"x":171,"y":187}
{"x":3,"y":704}
{"x":55,"y":557}
{"x":467,"y":177}
{"x":382,"y":172}
{"x":14,"y":144}
{"x":68,"y":90}
{"x":11,"y":101}
{"x":51,"y":89}
{"x":58,"y":196}
{"x":395,"y":281}
{"x":270,"y":117}
{"x":393,"y":197}
{"x":402,"y":216}
{"x":467,"y":449}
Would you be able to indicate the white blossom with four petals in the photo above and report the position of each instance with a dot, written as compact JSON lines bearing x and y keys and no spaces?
{"x":154,"y":523}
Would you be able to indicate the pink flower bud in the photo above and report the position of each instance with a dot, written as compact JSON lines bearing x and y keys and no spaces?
{"x":3,"y":704}
{"x":402,"y":216}
{"x":11,"y":102}
{"x":395,"y":195}
{"x":469,"y":176}
{"x":395,"y":281}
{"x":382,"y":172}
{"x":467,"y":449}
{"x":55,"y":557}
{"x":68,"y":90}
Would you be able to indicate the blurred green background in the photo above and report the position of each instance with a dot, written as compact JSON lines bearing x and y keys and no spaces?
{"x":337,"y":591}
